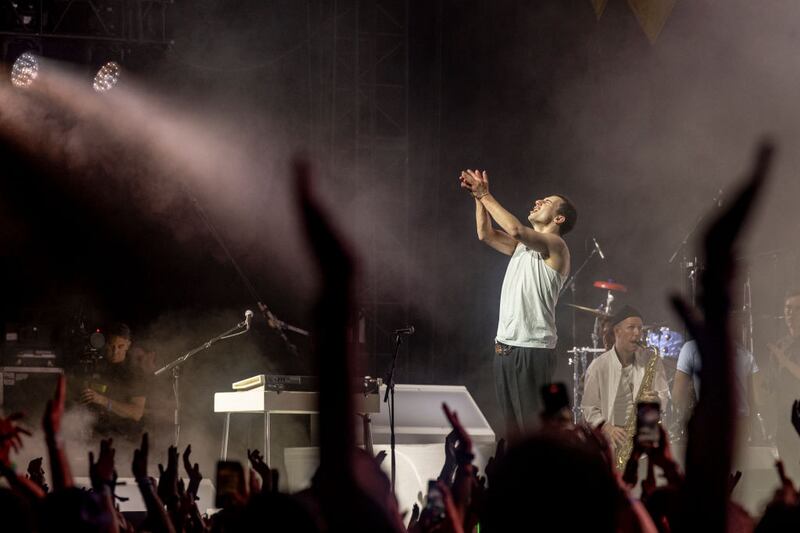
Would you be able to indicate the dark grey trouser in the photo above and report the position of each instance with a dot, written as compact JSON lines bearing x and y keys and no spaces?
{"x":519,"y":374}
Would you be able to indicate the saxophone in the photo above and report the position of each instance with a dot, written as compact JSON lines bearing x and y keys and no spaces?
{"x":645,"y":394}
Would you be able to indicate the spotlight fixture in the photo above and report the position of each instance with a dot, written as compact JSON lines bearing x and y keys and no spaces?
{"x":107,"y":77}
{"x":25,"y":70}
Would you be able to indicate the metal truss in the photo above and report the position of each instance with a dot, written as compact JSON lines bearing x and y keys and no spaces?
{"x":370,"y":135}
{"x":130,"y":22}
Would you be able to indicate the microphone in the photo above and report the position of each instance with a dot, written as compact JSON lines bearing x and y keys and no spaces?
{"x":599,"y":250}
{"x":248,"y":318}
{"x":405,"y":331}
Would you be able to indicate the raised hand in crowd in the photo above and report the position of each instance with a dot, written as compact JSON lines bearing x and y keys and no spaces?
{"x":11,"y":436}
{"x":709,"y":452}
{"x":787,"y":493}
{"x":53,"y":413}
{"x":269,"y":477}
{"x":102,"y":473}
{"x":193,"y":473}
{"x":660,"y":503}
{"x":449,"y":466}
{"x":158,"y":520}
{"x":35,"y":473}
{"x":168,"y":479}
{"x":414,"y":519}
{"x":661,"y":456}
{"x":103,"y":477}
{"x":439,"y":519}
{"x":733,"y":480}
{"x":491,"y":464}
{"x":26,"y":487}
{"x":465,"y":482}
{"x":782,"y":513}
{"x":353,"y":494}
{"x":380,"y":457}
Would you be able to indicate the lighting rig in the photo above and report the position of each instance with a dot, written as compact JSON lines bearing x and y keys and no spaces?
{"x":103,"y":35}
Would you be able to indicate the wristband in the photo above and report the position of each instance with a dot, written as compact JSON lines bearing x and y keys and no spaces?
{"x":479,"y":197}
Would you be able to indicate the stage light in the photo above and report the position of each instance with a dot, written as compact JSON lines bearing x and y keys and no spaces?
{"x":25,"y":70}
{"x":107,"y":77}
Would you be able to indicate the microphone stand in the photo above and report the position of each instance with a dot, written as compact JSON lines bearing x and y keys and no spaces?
{"x":177,"y":364}
{"x":570,"y":284}
{"x":693,"y":267}
{"x":388,"y":398}
{"x":578,"y":359}
{"x":279,"y":325}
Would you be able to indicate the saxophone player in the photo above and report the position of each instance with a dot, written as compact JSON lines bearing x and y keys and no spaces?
{"x":614,"y":379}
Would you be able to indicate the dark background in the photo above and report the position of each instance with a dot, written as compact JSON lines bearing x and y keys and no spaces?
{"x":543,"y":95}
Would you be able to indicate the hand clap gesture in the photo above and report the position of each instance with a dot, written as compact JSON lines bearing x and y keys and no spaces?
{"x":476,"y":182}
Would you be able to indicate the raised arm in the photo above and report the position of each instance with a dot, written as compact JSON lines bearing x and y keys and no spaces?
{"x":551,"y":245}
{"x":499,"y":240}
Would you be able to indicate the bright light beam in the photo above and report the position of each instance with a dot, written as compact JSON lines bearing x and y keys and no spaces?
{"x":25,"y":70}
{"x":107,"y":77}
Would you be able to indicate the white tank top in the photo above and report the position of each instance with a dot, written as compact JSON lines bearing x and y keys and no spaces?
{"x":528,"y":301}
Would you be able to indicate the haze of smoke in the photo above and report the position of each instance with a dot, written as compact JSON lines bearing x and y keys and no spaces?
{"x":131,"y":137}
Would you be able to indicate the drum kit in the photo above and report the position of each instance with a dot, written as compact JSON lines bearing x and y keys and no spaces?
{"x":666,"y":340}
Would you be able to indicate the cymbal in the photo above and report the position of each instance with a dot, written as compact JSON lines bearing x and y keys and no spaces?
{"x":595,"y":312}
{"x":610,"y":286}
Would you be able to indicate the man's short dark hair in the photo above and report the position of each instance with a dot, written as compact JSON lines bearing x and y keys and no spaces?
{"x":119,"y":329}
{"x":569,"y":212}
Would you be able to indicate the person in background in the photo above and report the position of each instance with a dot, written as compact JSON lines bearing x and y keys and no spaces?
{"x":116,"y":390}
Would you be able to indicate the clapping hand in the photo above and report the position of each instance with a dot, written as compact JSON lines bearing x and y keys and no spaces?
{"x":102,"y":472}
{"x":168,"y":478}
{"x":139,"y":464}
{"x":195,"y":477}
{"x":463,"y":448}
{"x":268,"y":476}
{"x":475,"y":181}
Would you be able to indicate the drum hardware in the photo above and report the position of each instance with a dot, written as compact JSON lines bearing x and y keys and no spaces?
{"x":579,"y":362}
{"x":580,"y":355}
{"x":610,"y":287}
{"x":596,"y":312}
{"x":570,"y":284}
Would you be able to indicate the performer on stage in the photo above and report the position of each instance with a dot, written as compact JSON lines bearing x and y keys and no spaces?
{"x":786,"y":357}
{"x":613,"y":379}
{"x":116,"y":391}
{"x":540,"y":262}
{"x":686,"y":385}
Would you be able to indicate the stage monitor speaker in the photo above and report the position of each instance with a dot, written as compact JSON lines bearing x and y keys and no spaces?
{"x":419,"y":418}
{"x":27,"y":389}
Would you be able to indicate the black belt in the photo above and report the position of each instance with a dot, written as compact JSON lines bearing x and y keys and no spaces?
{"x":502,"y":349}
